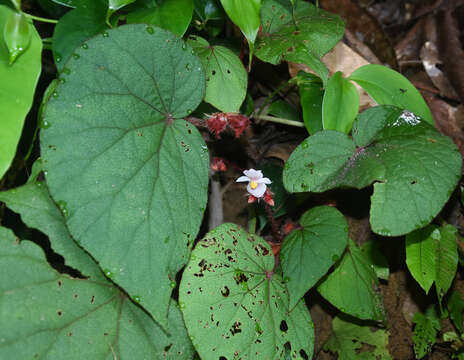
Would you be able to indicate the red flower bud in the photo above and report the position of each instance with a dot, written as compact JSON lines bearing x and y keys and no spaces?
{"x":238,"y":123}
{"x":217,"y":123}
{"x":218,"y":164}
{"x":268,"y":197}
{"x":251,"y":199}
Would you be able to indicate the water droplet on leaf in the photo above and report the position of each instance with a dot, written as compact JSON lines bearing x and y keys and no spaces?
{"x":67,"y":71}
{"x":172,"y":284}
{"x":136,"y":299}
{"x":76,"y":56}
{"x":181,"y":305}
{"x":85,"y":46}
{"x":105,"y":34}
{"x":108,"y":273}
{"x":150,"y":30}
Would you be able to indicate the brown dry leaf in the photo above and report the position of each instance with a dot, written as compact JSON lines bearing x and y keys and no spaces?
{"x":280,"y":151}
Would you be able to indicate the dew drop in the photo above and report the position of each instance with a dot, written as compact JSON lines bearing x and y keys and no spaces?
{"x":188,"y":67}
{"x":58,"y":57}
{"x":44,"y":124}
{"x":181,"y":305}
{"x":192,"y":338}
{"x":304,"y":145}
{"x":184,"y":47}
{"x":85,"y":46}
{"x":286,"y":279}
{"x":55,"y":94}
{"x":193,"y":257}
{"x":105,"y":34}
{"x":76,"y":56}
{"x":62,"y":205}
{"x":67,"y":71}
{"x":150,"y":30}
{"x":136,"y":298}
{"x":108,"y":273}
{"x":189,"y":111}
{"x":172,"y":284}
{"x":62,"y":80}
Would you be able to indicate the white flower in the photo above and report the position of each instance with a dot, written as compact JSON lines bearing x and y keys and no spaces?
{"x":256,"y":182}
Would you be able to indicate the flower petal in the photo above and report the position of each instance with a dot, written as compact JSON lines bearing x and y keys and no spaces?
{"x":258,"y":192}
{"x":253,"y":174}
{"x":264,"y":181}
{"x":243,"y":179}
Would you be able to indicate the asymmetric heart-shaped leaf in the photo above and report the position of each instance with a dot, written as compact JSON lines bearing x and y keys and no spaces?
{"x":53,"y":316}
{"x":307,"y":253}
{"x":299,"y":34}
{"x":17,"y":91}
{"x":121,"y":162}
{"x":235,"y":306}
{"x":359,"y":296}
{"x":172,"y":15}
{"x":415,"y":167}
{"x":226,"y":78}
{"x":75,"y":27}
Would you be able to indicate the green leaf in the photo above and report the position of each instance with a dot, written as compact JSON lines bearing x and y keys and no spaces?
{"x":388,"y":87}
{"x":235,"y":306}
{"x":17,"y":34}
{"x":209,"y":15}
{"x":226,"y":78}
{"x":456,"y":307}
{"x":18,"y":82}
{"x":115,"y":5}
{"x":425,"y":332}
{"x":16,"y":4}
{"x":283,"y":109}
{"x":349,"y":341}
{"x":244,"y":14}
{"x":311,"y":92}
{"x":38,"y":211}
{"x":340,"y":105}
{"x":377,"y":260}
{"x":432,"y":256}
{"x":172,"y":15}
{"x":54,"y":316}
{"x":421,"y":257}
{"x":121,"y":161}
{"x":415,"y":168}
{"x":72,"y":3}
{"x":75,"y":27}
{"x":308,"y":253}
{"x":301,"y":34}
{"x":359,"y":296}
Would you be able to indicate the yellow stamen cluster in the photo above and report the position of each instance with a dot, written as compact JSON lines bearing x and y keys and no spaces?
{"x":253,"y":184}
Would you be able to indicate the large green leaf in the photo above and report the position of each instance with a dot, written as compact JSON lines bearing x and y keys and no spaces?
{"x":388,"y":87}
{"x":53,"y":316}
{"x":75,"y":27}
{"x":299,"y":34}
{"x":432,"y":256}
{"x":172,"y":15}
{"x":226,"y":78}
{"x":308,"y":253}
{"x":121,"y":162}
{"x":340,"y":105}
{"x":456,"y":308}
{"x":414,"y":167}
{"x":311,"y":93}
{"x":235,"y":307}
{"x":17,"y":90}
{"x":359,"y":296}
{"x":38,"y":211}
{"x":349,"y":341}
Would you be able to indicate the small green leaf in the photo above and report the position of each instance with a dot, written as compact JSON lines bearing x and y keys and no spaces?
{"x":377,"y":260}
{"x":349,"y":341}
{"x":388,"y":87}
{"x":311,"y":92}
{"x":425,"y":332}
{"x":17,"y":90}
{"x":52,"y":315}
{"x":244,"y":14}
{"x":302,"y":34}
{"x":121,"y":161}
{"x":75,"y":27}
{"x":308,"y":253}
{"x":235,"y":306}
{"x":226,"y":77}
{"x":456,"y":307}
{"x":283,"y":109}
{"x":172,"y":15}
{"x":17,"y":34}
{"x":421,"y":257}
{"x":340,"y":105}
{"x":359,"y":296}
{"x":415,"y":167}
{"x":447,"y":259}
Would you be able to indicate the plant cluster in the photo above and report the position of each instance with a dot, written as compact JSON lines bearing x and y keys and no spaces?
{"x":121,"y":187}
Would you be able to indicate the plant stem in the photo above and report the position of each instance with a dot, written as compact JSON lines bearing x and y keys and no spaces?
{"x":280,"y":120}
{"x":38,"y":18}
{"x":273,"y":222}
{"x":252,"y":217}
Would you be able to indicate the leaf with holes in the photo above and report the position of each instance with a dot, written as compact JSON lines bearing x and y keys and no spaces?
{"x":121,"y":162}
{"x":235,"y":306}
{"x":388,"y":87}
{"x":415,"y":169}
{"x":226,"y":78}
{"x":17,"y":90}
{"x":301,"y":34}
{"x":340,"y":105}
{"x":359,"y":296}
{"x":425,"y":332}
{"x":52,"y":315}
{"x":308,"y":253}
{"x":349,"y":341}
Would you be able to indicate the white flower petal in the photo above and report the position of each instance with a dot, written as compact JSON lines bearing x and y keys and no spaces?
{"x":253,"y":174}
{"x":264,"y":181}
{"x":259,"y":191}
{"x":243,"y":179}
